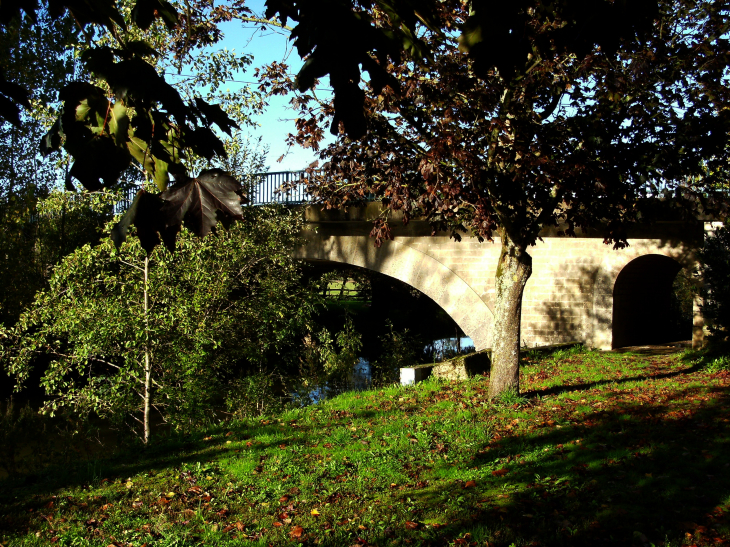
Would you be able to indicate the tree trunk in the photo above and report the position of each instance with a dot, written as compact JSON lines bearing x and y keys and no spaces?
{"x":147,"y":365}
{"x":513,"y":271}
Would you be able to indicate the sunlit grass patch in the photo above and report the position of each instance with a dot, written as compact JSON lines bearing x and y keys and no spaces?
{"x":563,"y":463}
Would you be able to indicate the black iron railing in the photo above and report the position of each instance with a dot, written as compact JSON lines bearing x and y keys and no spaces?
{"x":283,"y":187}
{"x":127,"y":198}
{"x":276,"y":187}
{"x":260,"y":189}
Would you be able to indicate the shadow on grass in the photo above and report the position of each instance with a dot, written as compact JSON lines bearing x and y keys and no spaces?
{"x":642,"y":472}
{"x":557,"y":390}
{"x":636,"y":475}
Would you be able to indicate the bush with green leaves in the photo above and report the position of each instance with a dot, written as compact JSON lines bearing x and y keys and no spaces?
{"x":326,"y":362}
{"x":718,"y":364}
{"x":38,"y":228}
{"x":132,"y":336}
{"x":714,"y":271}
{"x":254,"y":395}
{"x":400,"y":349}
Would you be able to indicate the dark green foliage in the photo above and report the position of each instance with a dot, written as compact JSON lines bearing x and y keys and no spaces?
{"x":714,"y":258}
{"x":33,"y":241}
{"x":326,"y":362}
{"x":400,"y":349}
{"x":254,"y":395}
{"x":192,"y":320}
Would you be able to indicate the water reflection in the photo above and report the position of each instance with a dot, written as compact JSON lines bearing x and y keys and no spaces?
{"x":360,"y":378}
{"x":446,"y":348}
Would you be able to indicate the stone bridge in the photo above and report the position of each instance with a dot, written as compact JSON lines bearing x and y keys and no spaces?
{"x":580,"y":290}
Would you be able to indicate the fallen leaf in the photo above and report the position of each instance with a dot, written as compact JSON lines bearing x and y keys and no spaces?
{"x":314,"y":513}
{"x":411,"y":525}
{"x":500,"y":472}
{"x":470,"y":484}
{"x":296,"y":532}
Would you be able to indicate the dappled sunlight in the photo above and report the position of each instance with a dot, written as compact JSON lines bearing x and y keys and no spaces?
{"x":601,"y":448}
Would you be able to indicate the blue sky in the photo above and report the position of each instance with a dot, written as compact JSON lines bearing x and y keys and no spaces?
{"x":278,"y":120}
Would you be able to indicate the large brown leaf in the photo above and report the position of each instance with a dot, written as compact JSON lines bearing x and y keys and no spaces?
{"x":201,"y":202}
{"x":198,"y":202}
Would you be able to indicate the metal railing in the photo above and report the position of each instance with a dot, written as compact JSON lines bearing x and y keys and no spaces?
{"x":260,"y":189}
{"x":125,"y":203}
{"x":263,"y":188}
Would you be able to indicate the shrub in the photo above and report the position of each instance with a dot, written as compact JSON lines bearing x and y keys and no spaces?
{"x":718,"y":364}
{"x":253,"y":395}
{"x":132,"y":336}
{"x":326,"y":362}
{"x":400,"y":349}
{"x":714,"y":272}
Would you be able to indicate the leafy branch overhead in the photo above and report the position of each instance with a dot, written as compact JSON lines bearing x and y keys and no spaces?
{"x":147,"y":121}
{"x":131,"y":116}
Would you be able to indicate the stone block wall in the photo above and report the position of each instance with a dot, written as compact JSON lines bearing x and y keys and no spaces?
{"x":569,"y":297}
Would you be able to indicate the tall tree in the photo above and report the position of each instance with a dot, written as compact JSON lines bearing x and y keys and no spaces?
{"x":568,"y":113}
{"x":35,"y":55}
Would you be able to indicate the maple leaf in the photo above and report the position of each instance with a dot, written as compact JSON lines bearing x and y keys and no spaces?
{"x":200,"y":203}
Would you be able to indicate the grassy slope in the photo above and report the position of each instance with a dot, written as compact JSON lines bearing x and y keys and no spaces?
{"x":613,"y":449}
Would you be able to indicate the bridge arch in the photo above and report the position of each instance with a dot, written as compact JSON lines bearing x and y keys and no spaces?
{"x":631,"y":293}
{"x":642,"y":302}
{"x":415,"y":268}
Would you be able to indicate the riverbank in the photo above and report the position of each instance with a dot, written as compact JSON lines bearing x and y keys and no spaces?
{"x":605,"y":449}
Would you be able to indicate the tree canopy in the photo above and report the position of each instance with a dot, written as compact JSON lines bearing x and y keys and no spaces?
{"x":554,"y":117}
{"x":127,"y":333}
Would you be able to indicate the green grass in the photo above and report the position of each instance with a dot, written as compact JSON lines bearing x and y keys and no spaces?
{"x":598,"y":449}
